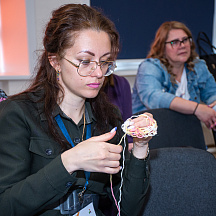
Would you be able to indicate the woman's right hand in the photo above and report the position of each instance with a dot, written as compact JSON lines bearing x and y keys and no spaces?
{"x":94,"y":155}
{"x":207,"y":115}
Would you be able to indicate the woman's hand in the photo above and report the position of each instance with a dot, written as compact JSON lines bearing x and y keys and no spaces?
{"x":207,"y":115}
{"x":203,"y":112}
{"x":140,"y":145}
{"x":212,"y":104}
{"x":94,"y":155}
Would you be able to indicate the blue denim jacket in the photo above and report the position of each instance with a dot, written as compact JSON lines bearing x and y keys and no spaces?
{"x":153,"y":88}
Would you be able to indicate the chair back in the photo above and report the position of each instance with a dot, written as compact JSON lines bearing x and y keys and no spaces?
{"x":182,"y":183}
{"x":176,"y":130}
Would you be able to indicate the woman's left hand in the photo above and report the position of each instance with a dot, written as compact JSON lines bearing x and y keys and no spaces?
{"x":140,"y":145}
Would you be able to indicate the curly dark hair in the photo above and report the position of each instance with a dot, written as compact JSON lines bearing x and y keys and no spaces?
{"x":158,"y":45}
{"x":60,"y":34}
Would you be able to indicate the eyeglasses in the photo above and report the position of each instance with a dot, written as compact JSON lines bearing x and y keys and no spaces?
{"x":86,"y":67}
{"x":177,"y":43}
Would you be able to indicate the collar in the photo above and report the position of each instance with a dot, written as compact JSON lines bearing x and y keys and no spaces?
{"x":36,"y":96}
{"x":88,"y":113}
{"x":57,"y":110}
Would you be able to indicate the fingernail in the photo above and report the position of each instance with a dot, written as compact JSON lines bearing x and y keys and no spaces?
{"x":120,"y":167}
{"x":113,"y":130}
{"x":131,"y":123}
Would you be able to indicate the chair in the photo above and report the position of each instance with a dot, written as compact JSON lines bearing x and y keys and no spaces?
{"x":176,"y":130}
{"x":182,"y":183}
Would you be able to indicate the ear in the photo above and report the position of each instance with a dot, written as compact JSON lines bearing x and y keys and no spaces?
{"x":53,"y":59}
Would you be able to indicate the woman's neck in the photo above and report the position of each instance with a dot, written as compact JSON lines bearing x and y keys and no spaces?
{"x":73,"y":109}
{"x":178,"y":70}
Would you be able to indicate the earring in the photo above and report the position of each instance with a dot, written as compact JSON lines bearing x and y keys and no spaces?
{"x":57,"y":74}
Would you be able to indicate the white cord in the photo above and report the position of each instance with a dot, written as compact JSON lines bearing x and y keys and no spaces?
{"x":123,"y":165}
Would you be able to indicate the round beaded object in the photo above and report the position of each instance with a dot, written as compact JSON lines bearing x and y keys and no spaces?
{"x":150,"y":130}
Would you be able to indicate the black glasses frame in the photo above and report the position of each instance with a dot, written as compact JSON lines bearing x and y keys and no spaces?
{"x":179,"y":41}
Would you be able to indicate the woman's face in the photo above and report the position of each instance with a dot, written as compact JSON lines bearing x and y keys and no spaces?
{"x":177,"y":54}
{"x":90,"y":45}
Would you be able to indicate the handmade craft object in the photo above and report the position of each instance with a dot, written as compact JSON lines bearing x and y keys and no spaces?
{"x":129,"y":129}
{"x":150,"y":130}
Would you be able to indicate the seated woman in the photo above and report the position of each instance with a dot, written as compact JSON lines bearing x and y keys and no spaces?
{"x":59,"y":138}
{"x":174,"y":77}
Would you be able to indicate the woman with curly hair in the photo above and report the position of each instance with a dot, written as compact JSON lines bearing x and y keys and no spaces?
{"x":59,"y":138}
{"x":172,"y":76}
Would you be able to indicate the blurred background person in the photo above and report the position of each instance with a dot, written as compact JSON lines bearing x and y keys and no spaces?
{"x":172,"y":76}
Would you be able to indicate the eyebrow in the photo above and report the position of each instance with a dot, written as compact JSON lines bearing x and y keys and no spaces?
{"x":91,"y":53}
{"x":180,"y":39}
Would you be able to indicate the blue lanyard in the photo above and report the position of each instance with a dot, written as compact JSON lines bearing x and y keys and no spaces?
{"x":67,"y":136}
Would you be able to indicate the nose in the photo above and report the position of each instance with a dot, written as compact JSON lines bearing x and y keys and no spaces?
{"x":97,"y":71}
{"x":182,"y":42}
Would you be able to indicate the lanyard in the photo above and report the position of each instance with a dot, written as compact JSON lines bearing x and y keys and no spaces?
{"x":67,"y":136}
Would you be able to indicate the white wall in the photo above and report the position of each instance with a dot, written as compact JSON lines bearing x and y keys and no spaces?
{"x":38,"y":13}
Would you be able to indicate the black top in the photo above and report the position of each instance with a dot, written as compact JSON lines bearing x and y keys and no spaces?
{"x":32,"y":174}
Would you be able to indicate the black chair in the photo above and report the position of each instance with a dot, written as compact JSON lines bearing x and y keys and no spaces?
{"x":176,"y":130}
{"x":182,"y":183}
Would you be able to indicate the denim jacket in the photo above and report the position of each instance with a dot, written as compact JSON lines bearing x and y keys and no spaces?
{"x":153,"y":88}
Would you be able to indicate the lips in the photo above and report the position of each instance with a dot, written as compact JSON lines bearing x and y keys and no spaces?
{"x":182,"y":53}
{"x":93,"y":85}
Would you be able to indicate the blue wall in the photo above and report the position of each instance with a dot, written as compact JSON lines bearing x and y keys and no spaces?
{"x":138,"y":20}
